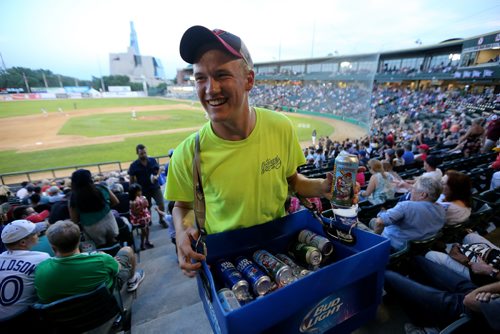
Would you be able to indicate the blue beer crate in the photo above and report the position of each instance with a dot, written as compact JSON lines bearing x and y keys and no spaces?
{"x":339,"y":297}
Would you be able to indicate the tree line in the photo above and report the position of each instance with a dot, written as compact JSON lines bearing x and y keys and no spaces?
{"x":15,"y":78}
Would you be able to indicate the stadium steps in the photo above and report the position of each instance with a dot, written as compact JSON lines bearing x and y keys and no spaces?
{"x":167,"y":301}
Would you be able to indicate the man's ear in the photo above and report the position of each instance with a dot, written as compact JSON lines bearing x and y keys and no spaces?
{"x":250,"y":80}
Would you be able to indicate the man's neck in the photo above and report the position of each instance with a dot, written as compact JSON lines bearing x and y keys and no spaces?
{"x":66,"y":254}
{"x":18,"y":248}
{"x":238,"y":130}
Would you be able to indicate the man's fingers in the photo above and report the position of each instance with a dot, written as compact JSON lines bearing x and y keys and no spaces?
{"x":188,"y":268}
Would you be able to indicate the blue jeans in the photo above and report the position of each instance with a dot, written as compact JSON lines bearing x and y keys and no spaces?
{"x":436,"y":299}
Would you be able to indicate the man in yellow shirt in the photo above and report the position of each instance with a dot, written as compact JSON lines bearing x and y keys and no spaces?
{"x":249,"y":156}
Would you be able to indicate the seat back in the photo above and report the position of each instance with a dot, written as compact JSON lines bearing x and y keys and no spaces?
{"x":111,"y":249}
{"x":418,"y":247}
{"x":79,"y":313}
{"x":24,"y":322}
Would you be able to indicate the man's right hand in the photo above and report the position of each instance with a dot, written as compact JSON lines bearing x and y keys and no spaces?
{"x":186,"y":254}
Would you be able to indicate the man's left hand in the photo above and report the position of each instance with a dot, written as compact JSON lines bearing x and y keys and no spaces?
{"x":480,"y":267}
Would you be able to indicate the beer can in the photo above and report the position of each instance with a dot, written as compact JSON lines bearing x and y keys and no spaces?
{"x":260,"y":282}
{"x":228,"y":300}
{"x":245,"y":298}
{"x":297,"y":270}
{"x":305,"y":253}
{"x":279,"y":271}
{"x":344,"y":180}
{"x":232,"y":278}
{"x":320,"y":242}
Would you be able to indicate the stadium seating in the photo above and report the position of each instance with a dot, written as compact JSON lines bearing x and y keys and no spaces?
{"x":87,"y":311}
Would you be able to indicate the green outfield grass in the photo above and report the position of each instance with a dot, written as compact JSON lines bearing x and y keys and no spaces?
{"x":121,"y":151}
{"x":109,"y":124}
{"x":305,"y":126}
{"x":120,"y":123}
{"x":22,"y":108}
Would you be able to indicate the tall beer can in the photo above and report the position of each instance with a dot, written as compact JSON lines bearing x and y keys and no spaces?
{"x":232,"y":278}
{"x":281,"y":273}
{"x":260,"y":282}
{"x":344,"y":180}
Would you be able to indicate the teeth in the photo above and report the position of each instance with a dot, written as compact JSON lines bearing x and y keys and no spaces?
{"x":216,"y":102}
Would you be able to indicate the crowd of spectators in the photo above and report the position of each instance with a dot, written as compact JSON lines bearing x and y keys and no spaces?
{"x":417,"y":130}
{"x":325,"y":97}
{"x":56,"y":226}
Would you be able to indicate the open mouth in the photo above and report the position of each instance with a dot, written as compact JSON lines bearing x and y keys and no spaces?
{"x":216,"y":102}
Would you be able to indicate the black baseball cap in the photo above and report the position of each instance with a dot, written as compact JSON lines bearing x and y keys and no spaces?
{"x":197,"y":37}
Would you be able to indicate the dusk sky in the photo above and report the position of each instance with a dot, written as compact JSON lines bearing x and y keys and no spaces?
{"x":75,"y":37}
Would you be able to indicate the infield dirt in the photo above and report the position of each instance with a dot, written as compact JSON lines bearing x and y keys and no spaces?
{"x":39,"y":132}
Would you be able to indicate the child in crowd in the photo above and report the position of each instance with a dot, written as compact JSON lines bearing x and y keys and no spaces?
{"x":139,"y":214}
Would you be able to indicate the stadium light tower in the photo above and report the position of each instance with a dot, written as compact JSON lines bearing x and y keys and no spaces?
{"x":144,"y":84}
{"x":3,"y":63}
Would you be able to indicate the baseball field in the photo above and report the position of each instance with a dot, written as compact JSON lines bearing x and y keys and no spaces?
{"x":45,"y":134}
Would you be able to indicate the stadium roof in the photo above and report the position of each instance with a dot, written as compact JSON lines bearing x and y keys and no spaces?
{"x":453,"y":43}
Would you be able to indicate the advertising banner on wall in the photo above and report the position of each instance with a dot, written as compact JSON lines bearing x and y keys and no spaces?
{"x":119,"y":88}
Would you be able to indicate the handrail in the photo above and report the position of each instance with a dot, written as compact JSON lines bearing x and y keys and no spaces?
{"x":53,"y":171}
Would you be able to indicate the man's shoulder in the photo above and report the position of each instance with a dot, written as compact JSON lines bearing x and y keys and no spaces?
{"x":152,"y":161}
{"x":276,"y":120}
{"x":187,"y":145}
{"x":25,"y":255}
{"x":134,"y":164}
{"x":271,"y":114}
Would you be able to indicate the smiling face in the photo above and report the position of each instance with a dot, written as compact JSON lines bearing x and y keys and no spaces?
{"x":222,"y":85}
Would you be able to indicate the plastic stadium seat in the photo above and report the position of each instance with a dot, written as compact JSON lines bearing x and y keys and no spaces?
{"x":25,"y":322}
{"x":454,"y":233}
{"x":84,"y":312}
{"x":466,"y":324}
{"x":399,"y":260}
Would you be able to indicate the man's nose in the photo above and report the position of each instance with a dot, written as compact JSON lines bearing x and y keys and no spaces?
{"x":213,"y":86}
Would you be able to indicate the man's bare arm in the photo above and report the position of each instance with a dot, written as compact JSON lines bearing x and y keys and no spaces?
{"x":185,"y":234}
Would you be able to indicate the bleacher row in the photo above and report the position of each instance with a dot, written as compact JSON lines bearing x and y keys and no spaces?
{"x":485,"y":206}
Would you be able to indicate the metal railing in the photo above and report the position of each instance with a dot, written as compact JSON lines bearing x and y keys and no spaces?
{"x":66,"y":171}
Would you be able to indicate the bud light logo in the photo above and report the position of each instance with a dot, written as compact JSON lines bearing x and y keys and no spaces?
{"x":211,"y":314}
{"x":323,"y":316}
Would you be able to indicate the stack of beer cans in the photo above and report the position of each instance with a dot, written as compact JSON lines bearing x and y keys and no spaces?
{"x":246,"y":278}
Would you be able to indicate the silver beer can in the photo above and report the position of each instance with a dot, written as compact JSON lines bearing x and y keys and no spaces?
{"x":324,"y":245}
{"x":297,"y":270}
{"x":279,"y":271}
{"x":228,"y":300}
{"x":306,"y":254}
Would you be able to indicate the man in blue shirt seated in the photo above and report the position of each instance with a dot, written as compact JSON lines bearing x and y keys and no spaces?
{"x":417,"y":219}
{"x":408,"y":156}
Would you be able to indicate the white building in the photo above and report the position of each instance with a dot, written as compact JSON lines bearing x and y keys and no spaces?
{"x":137,"y":67}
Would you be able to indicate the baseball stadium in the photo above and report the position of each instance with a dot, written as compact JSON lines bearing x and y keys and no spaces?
{"x":422,"y":125}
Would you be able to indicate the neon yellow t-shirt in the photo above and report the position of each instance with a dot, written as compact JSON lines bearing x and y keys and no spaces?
{"x":244,"y":181}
